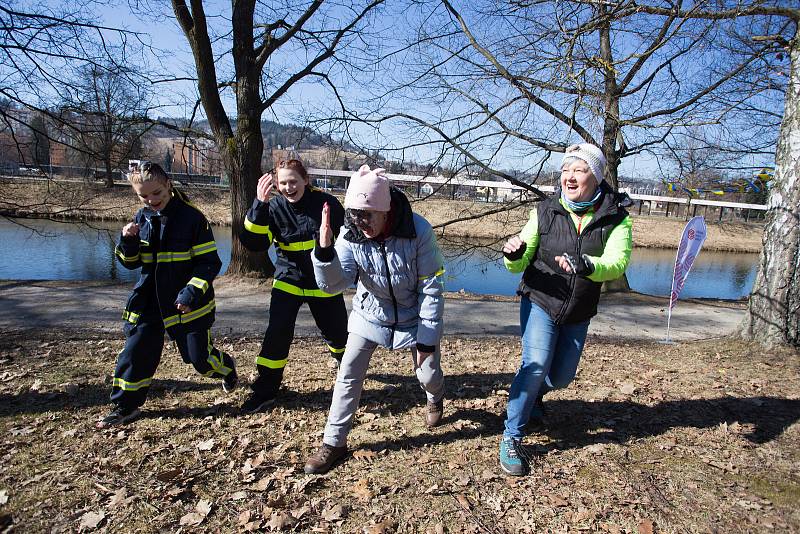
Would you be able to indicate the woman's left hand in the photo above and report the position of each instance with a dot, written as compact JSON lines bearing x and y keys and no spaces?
{"x":582,"y":266}
{"x":563,"y":263}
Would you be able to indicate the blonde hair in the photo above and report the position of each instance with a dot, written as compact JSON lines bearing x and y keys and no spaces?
{"x":146,"y":171}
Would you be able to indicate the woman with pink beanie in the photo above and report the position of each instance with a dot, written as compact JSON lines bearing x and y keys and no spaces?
{"x":392,"y":255}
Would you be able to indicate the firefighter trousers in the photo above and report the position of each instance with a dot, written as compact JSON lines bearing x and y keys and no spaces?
{"x":139,"y":359}
{"x":330,"y":315}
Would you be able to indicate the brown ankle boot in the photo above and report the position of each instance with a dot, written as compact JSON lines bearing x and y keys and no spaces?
{"x":433,"y":413}
{"x":322,"y":460}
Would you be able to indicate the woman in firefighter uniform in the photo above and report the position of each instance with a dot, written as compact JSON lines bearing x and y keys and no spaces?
{"x":171,"y":241}
{"x":291,"y":220}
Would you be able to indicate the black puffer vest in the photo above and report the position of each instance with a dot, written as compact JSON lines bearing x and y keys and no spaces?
{"x":568,"y":298}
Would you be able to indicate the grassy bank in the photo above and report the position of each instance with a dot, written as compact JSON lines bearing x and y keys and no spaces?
{"x":70,"y":200}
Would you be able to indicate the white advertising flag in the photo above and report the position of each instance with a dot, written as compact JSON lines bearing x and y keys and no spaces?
{"x":694,"y":234}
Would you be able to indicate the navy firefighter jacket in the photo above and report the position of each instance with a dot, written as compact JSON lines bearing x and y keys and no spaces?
{"x":178,"y":255}
{"x":293,"y":227}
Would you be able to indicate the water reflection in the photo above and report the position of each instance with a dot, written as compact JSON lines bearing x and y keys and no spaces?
{"x":47,"y":250}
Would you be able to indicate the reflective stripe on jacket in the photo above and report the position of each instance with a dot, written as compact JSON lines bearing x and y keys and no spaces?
{"x":293,"y":228}
{"x":178,"y":256}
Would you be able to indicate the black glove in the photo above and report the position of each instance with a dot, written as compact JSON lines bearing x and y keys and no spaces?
{"x":517,"y":254}
{"x":582,"y":266}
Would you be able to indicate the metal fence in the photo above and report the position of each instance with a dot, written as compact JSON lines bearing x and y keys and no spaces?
{"x":437,"y":187}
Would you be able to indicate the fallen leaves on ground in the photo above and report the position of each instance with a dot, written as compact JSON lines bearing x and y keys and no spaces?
{"x":648,"y":439}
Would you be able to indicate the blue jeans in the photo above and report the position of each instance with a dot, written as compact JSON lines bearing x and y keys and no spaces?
{"x":549,"y":351}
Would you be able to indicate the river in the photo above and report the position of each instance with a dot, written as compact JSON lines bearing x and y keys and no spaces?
{"x":48,"y":250}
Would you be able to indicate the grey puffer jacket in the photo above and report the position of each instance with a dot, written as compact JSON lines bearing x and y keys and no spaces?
{"x":399,"y":298}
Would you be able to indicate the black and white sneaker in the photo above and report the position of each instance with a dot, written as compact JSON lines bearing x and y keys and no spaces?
{"x":119,"y":416}
{"x":231,"y":380}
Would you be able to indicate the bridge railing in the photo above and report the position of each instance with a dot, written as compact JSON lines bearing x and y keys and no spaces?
{"x":489,"y":191}
{"x":457,"y":188}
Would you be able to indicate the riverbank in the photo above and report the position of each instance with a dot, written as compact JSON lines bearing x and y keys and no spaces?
{"x":82,"y":201}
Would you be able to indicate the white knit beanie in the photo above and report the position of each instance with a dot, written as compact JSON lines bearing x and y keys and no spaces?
{"x":591,"y":154}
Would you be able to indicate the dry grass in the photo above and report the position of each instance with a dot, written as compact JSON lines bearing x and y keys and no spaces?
{"x":695,"y":437}
{"x":97,"y":202}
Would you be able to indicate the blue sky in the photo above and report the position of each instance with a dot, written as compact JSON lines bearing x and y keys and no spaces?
{"x":170,"y":54}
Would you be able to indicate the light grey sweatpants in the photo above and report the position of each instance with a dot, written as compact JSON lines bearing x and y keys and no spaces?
{"x":350,"y":383}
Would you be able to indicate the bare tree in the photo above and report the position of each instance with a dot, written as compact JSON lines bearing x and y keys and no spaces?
{"x":39,"y":49}
{"x":104,"y":116}
{"x":273,"y":46}
{"x":523,"y":79}
{"x":773,"y":316}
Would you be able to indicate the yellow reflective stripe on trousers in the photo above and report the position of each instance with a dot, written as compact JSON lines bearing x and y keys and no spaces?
{"x":297,"y":246}
{"x":132,"y":386}
{"x":254,"y":228}
{"x":440,"y":272}
{"x":299,"y":291}
{"x":335,"y":351}
{"x":199,"y":283}
{"x":130,"y":317}
{"x":272,"y":364}
{"x":204,"y":248}
{"x":172,"y":320}
{"x":217,"y":364}
{"x":123,"y":257}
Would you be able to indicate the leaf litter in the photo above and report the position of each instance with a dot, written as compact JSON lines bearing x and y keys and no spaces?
{"x":649,"y":438}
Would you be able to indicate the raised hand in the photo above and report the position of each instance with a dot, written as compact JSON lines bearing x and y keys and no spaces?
{"x":513,"y":245}
{"x":265,"y":185}
{"x":130,"y":230}
{"x":325,"y":231}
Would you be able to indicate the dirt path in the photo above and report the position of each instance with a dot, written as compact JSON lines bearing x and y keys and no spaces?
{"x":243,"y":304}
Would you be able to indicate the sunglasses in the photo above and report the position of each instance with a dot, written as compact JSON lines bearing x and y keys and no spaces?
{"x":361,"y":216}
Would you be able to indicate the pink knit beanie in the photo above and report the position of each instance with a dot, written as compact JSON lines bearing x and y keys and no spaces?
{"x":368,"y":190}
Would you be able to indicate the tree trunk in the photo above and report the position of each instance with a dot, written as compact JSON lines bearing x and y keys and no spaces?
{"x":249,"y":140}
{"x":611,"y":131}
{"x":244,"y":168}
{"x":241,"y":153}
{"x":773,"y":314}
{"x":109,"y":173}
